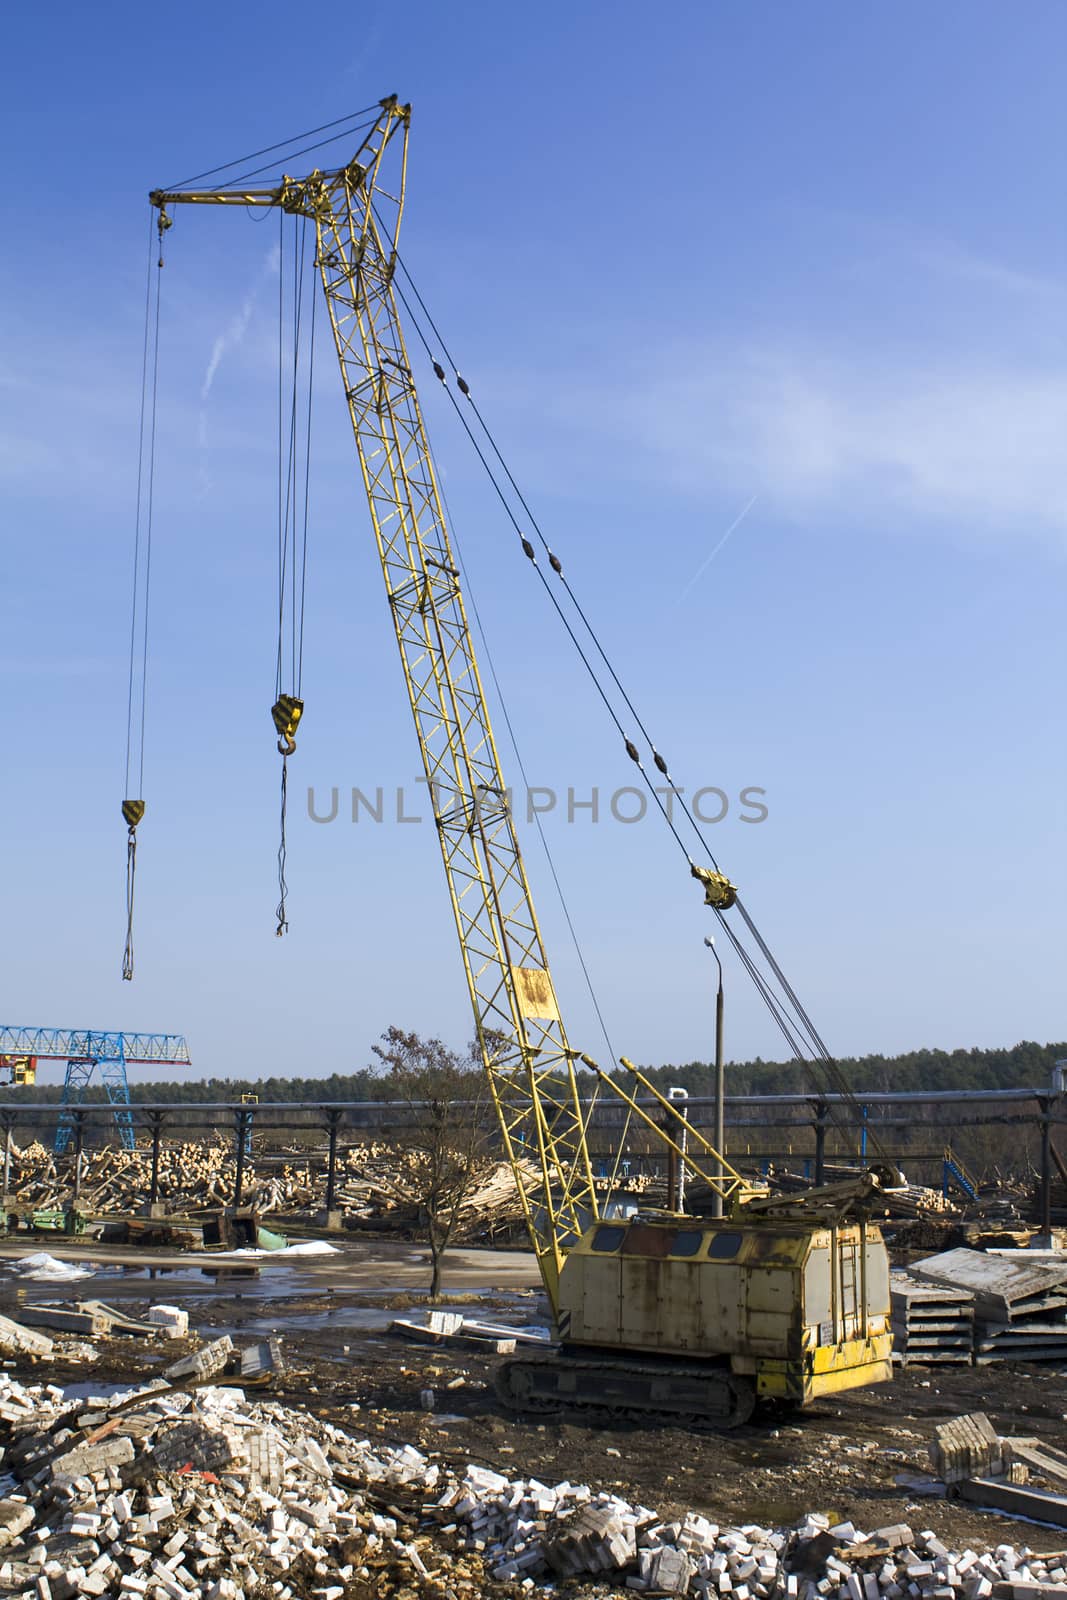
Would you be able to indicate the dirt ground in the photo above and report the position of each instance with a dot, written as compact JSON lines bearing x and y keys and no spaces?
{"x":842,"y":1456}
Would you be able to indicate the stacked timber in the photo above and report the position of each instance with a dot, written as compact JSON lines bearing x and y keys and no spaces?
{"x":917,"y":1200}
{"x":1020,"y":1309}
{"x":932,"y":1322}
{"x":195,"y":1175}
{"x":379,"y":1186}
{"x":913,"y":1200}
{"x":922,"y":1233}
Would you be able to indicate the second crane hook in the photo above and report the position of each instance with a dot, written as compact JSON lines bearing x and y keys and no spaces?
{"x":286,"y":713}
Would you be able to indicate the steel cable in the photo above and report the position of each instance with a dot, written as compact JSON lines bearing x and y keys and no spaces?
{"x":283,"y":144}
{"x":816,"y":1048}
{"x":133,"y":806}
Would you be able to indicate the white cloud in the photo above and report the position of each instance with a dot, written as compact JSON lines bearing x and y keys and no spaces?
{"x":964,"y":266}
{"x":938,"y":397}
{"x":979,"y":448}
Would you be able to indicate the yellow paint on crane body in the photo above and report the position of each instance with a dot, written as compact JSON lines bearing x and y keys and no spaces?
{"x":801,"y":1309}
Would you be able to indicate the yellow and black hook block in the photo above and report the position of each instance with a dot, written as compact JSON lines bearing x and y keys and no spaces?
{"x":286,"y":713}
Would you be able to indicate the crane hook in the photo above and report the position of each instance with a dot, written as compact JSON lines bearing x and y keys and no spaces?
{"x":132,"y":812}
{"x":286,"y":713}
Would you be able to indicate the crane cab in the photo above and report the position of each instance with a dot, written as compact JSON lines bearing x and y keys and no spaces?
{"x":18,"y":1069}
{"x":801,"y":1308}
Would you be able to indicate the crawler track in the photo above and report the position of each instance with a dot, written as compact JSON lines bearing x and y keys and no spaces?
{"x":600,"y":1389}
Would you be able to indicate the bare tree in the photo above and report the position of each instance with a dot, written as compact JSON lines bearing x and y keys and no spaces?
{"x":445,"y":1093}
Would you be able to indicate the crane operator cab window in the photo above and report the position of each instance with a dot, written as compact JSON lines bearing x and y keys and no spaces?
{"x":606,"y":1240}
{"x":638,"y":1240}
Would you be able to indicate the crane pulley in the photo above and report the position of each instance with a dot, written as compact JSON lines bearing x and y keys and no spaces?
{"x":719,"y":892}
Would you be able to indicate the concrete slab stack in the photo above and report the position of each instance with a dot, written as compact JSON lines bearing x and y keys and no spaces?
{"x":932,"y":1322}
{"x":1020,"y":1310}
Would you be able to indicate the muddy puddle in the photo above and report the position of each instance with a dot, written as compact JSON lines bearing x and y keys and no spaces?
{"x":367,"y":1314}
{"x":119,"y":1281}
{"x":353,"y":1319}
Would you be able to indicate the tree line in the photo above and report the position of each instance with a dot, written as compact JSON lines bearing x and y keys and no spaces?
{"x":1027,"y":1065}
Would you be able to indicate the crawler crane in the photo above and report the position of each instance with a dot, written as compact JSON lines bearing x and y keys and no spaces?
{"x":662,"y":1316}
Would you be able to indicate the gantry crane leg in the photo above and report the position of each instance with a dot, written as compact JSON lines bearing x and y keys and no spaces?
{"x":117,"y":1089}
{"x":80,"y":1071}
{"x":116,"y":1086}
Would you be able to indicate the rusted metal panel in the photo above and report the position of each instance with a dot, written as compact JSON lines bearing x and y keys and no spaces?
{"x":589,"y":1293}
{"x":640,"y":1280}
{"x":535,"y":992}
{"x":643,"y":1240}
{"x":722,"y":1302}
{"x":682,"y":1323}
{"x":770,"y":1291}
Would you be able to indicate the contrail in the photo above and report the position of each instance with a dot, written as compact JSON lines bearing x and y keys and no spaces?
{"x":233,"y":334}
{"x":229,"y":339}
{"x":706,"y":563}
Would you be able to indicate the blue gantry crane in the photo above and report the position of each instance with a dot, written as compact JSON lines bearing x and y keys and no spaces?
{"x":85,"y":1049}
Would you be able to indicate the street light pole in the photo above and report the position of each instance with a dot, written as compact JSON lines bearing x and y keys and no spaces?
{"x":720,"y":1082}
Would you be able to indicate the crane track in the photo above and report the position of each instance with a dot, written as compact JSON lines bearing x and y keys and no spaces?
{"x":603,"y":1390}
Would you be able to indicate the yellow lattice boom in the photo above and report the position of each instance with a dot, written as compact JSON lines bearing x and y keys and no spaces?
{"x":529,"y":1063}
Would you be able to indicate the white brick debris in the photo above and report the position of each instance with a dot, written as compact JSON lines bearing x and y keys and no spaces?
{"x":173,"y":1495}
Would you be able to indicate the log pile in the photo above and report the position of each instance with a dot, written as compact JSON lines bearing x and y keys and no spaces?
{"x":378,"y":1185}
{"x":194,"y":1176}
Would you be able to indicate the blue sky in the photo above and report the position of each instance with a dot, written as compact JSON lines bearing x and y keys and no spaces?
{"x":807,"y":261}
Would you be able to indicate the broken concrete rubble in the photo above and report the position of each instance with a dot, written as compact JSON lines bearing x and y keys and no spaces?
{"x":994,"y":1473}
{"x":15,"y":1339}
{"x":172,"y":1319}
{"x":453,"y":1328}
{"x":92,"y":1317}
{"x":202,"y":1364}
{"x":172,"y":1494}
